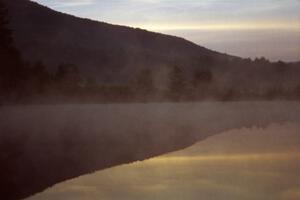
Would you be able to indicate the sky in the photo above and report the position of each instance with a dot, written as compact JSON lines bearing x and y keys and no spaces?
{"x":248,"y":164}
{"x":246,"y":28}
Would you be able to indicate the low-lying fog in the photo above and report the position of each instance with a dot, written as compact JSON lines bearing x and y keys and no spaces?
{"x":258,"y":158}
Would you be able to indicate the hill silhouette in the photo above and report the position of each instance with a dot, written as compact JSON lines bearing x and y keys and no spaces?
{"x":112,"y":55}
{"x":120,"y":59}
{"x":80,"y":60}
{"x":108,"y":53}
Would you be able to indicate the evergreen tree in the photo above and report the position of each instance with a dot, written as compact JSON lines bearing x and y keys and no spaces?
{"x":68,"y":78}
{"x":11,"y":66}
{"x":178,"y":85}
{"x":144,"y":84}
{"x":201,"y":82}
{"x":202,"y":77}
{"x":39,"y":78}
{"x":6,"y":40}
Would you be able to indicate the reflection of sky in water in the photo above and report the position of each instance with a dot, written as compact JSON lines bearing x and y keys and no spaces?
{"x":254,"y":164}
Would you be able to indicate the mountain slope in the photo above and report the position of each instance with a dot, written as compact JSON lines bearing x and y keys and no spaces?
{"x":106,"y":52}
{"x":115,"y":55}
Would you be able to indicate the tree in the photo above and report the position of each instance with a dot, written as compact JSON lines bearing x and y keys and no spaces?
{"x":12,"y":71}
{"x":201,"y":82}
{"x":144,"y":83}
{"x":39,"y":78}
{"x":202,"y":77}
{"x":6,"y":40}
{"x":68,"y":78}
{"x":178,"y":85}
{"x":261,"y":60}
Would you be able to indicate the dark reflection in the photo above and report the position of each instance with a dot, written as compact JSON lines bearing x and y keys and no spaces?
{"x":246,"y":164}
{"x":57,"y":71}
{"x":45,"y":145}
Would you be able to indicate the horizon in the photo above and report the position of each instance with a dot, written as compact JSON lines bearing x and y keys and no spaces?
{"x":268,"y":28}
{"x":93,"y":105}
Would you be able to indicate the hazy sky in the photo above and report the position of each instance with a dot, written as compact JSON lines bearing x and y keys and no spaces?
{"x":195,"y":20}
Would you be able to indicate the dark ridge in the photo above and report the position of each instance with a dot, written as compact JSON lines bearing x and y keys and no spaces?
{"x":104,"y":51}
{"x":41,"y":146}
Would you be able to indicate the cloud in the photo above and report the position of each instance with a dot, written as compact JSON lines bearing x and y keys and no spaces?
{"x":158,"y":12}
{"x":66,"y":3}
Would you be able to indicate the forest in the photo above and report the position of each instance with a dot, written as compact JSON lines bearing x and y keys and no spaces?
{"x":24,"y":82}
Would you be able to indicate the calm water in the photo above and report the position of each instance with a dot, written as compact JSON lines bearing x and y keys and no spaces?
{"x":254,"y":164}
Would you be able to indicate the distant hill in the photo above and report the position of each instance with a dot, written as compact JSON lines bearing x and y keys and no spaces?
{"x":104,"y":51}
{"x":115,"y":55}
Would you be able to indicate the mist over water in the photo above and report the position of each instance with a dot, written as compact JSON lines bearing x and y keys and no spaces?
{"x":71,"y":127}
{"x":256,"y":157}
{"x":248,"y":163}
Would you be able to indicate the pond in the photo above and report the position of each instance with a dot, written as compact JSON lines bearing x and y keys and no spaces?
{"x":248,"y":163}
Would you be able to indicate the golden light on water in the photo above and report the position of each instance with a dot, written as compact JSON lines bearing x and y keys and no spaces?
{"x":281,"y":156}
{"x":248,"y":164}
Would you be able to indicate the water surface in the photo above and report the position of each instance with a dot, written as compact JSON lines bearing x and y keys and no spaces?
{"x":248,"y":163}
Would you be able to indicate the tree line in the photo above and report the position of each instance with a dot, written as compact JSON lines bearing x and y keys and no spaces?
{"x":23,"y":82}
